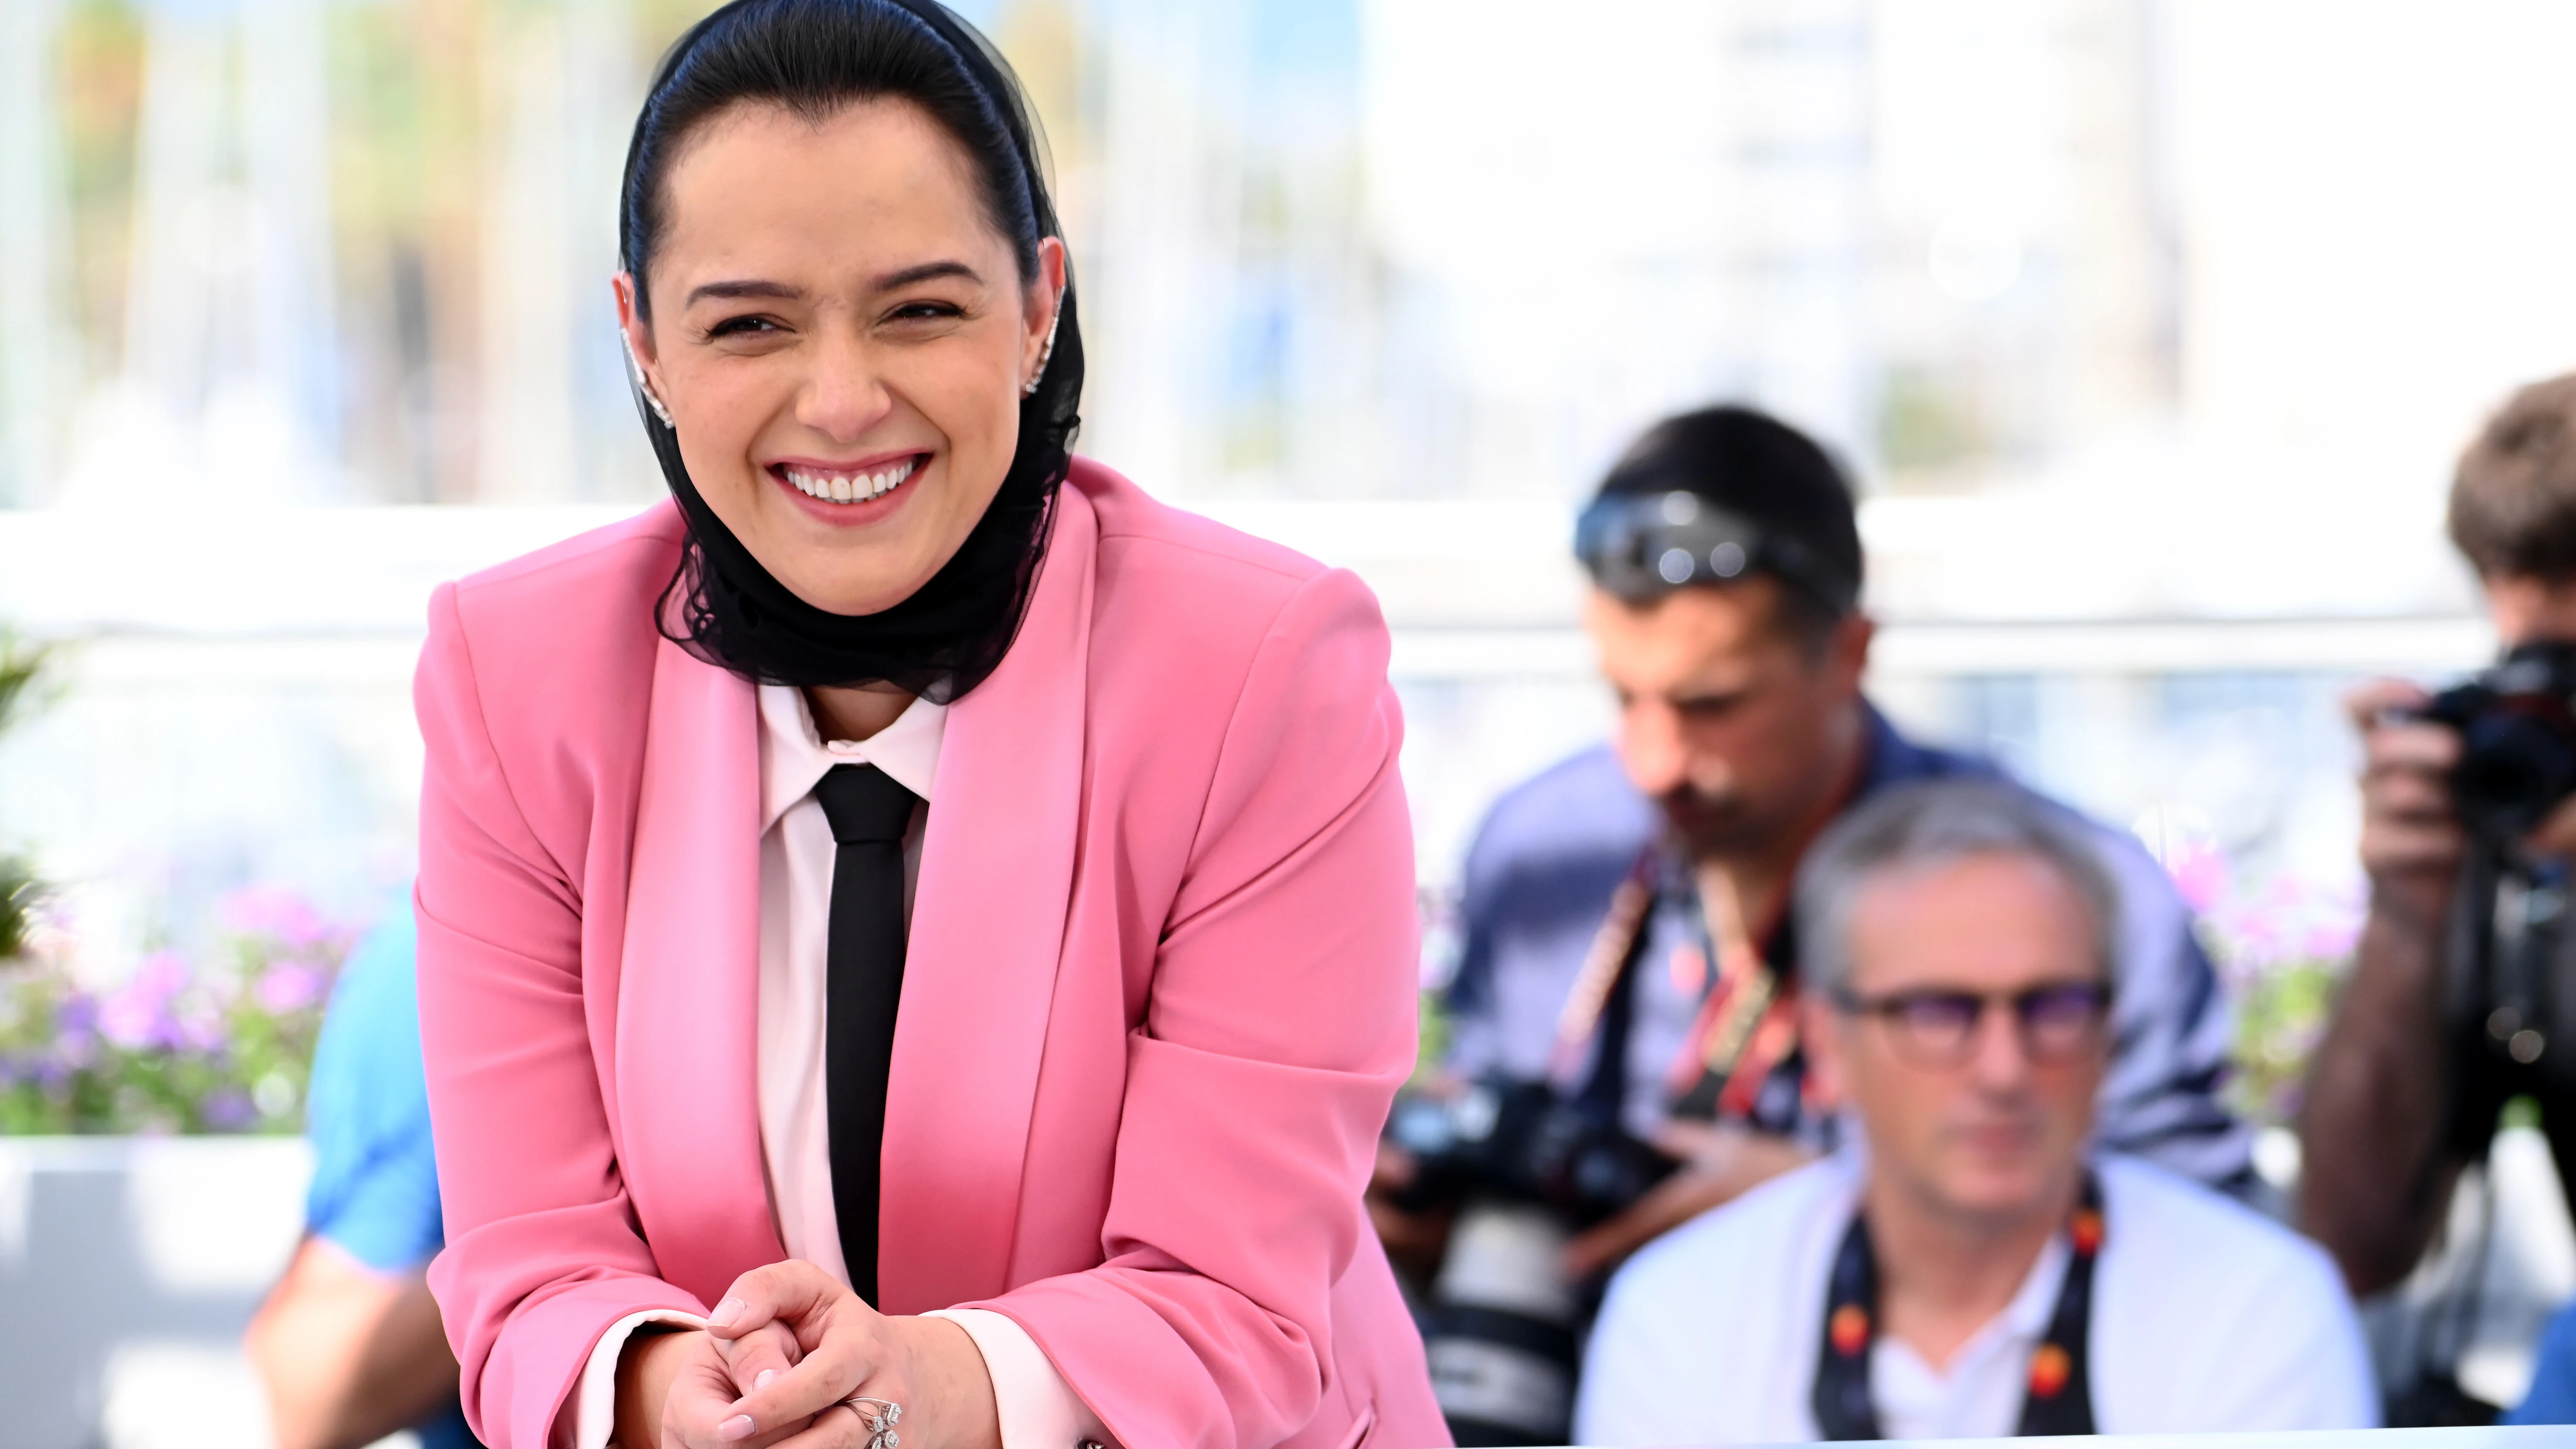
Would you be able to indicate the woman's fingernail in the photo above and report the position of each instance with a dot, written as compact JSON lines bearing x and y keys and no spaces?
{"x":737,"y":1427}
{"x":726,"y":1312}
{"x":766,"y":1375}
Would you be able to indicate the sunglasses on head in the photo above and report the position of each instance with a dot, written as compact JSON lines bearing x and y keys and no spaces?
{"x":1934,"y":1027}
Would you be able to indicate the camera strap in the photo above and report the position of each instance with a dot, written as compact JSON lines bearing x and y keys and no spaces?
{"x":2058,"y":1398}
{"x":1746,"y":1035}
{"x":1612,"y":959}
{"x":1746,"y":1032}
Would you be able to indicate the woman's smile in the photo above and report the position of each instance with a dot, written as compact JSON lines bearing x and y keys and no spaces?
{"x":844,"y":364}
{"x":837,"y":491}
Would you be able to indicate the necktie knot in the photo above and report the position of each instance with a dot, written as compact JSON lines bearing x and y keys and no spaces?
{"x":863,"y":803}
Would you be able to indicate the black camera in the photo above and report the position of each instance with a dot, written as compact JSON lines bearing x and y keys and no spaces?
{"x":1526,"y":1168}
{"x":2517,"y":727}
{"x":2511,"y":1006}
{"x":1525,"y":1142}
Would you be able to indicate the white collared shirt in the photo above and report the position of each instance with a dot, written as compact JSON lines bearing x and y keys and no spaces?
{"x":1037,"y":1409}
{"x":796,"y":856}
{"x":2206,"y":1317}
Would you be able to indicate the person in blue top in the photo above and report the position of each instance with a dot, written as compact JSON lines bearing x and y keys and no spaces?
{"x":349,"y":1343}
{"x":1625,"y":935}
{"x":2552,"y":1398}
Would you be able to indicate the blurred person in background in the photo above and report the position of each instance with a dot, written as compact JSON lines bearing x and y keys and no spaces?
{"x":349,"y":1343}
{"x":2552,"y":1398}
{"x":1972,"y":1264}
{"x":2462,"y":995}
{"x":1627,"y":992}
{"x":917,"y":938}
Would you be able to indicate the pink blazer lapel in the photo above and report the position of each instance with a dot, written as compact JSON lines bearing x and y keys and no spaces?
{"x":688,"y":995}
{"x":988,"y":922}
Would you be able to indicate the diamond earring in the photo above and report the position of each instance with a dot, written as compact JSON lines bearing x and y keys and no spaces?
{"x":1030,"y":388}
{"x":644,"y":384}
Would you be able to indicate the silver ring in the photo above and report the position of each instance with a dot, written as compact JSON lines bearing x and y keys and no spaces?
{"x":878,"y":1417}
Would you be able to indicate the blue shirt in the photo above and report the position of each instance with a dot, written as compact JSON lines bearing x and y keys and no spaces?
{"x":375,"y":1176}
{"x":1545,"y":862}
{"x":2552,"y":1399}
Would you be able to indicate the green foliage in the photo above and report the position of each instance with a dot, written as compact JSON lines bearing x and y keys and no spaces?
{"x":2281,"y":943}
{"x":20,"y":894}
{"x":22,"y":664}
{"x":2281,"y":1013}
{"x":22,"y":667}
{"x":220,"y":1043}
{"x":1434,"y":1048}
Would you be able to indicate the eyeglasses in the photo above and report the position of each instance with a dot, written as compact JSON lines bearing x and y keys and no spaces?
{"x":1934,"y":1028}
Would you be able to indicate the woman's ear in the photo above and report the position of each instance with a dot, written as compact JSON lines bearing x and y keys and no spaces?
{"x":630,"y":315}
{"x":1045,"y":310}
{"x":638,"y":337}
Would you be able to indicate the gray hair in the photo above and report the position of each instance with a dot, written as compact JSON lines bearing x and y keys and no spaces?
{"x":1932,"y":823}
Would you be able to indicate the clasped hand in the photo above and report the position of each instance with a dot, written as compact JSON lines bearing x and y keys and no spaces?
{"x":790,"y":1346}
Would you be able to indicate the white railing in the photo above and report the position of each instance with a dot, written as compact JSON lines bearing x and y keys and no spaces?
{"x":1473,"y":589}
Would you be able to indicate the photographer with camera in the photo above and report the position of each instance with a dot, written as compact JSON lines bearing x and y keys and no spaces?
{"x":2460,"y":997}
{"x":1626,"y":1049}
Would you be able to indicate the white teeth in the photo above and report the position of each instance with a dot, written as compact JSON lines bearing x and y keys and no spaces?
{"x":850,"y":487}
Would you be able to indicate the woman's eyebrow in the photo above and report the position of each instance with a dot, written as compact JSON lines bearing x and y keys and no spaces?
{"x":928,"y":271}
{"x":781,"y":291}
{"x":728,"y":290}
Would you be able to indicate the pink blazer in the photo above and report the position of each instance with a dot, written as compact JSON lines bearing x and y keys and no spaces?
{"x":1159,"y":995}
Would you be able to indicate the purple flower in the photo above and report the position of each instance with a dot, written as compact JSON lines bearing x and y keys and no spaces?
{"x":200,"y":1026}
{"x":273,"y":911}
{"x":78,"y":1015}
{"x":288,"y":987}
{"x":228,"y":1109}
{"x":74,"y":1048}
{"x":2199,"y":872}
{"x":137,"y":1014}
{"x":2332,"y":940}
{"x":128,"y":1020}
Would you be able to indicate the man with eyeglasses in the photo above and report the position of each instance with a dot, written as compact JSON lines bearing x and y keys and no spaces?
{"x":1625,"y":935}
{"x":1969,"y":1264}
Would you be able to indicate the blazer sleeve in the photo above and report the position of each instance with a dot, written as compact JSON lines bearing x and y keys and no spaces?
{"x":543,"y":1252}
{"x":1279,"y":1023}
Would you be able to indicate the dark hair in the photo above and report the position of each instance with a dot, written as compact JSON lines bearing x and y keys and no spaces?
{"x":2513,"y":498}
{"x":1768,"y":474}
{"x":816,"y":58}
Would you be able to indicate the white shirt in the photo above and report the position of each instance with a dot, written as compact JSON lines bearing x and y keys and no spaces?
{"x":2206,"y":1317}
{"x":1037,"y":1409}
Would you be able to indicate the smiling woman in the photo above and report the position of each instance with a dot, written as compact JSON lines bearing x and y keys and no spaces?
{"x":922,"y":935}
{"x":819,"y":347}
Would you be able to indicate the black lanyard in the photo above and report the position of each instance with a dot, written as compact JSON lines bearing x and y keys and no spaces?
{"x":2059,"y":1397}
{"x":1599,"y":1013}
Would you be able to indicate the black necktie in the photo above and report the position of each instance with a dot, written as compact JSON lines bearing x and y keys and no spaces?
{"x":863,"y":968}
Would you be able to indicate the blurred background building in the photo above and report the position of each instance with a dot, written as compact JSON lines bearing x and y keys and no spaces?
{"x":2151,"y":327}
